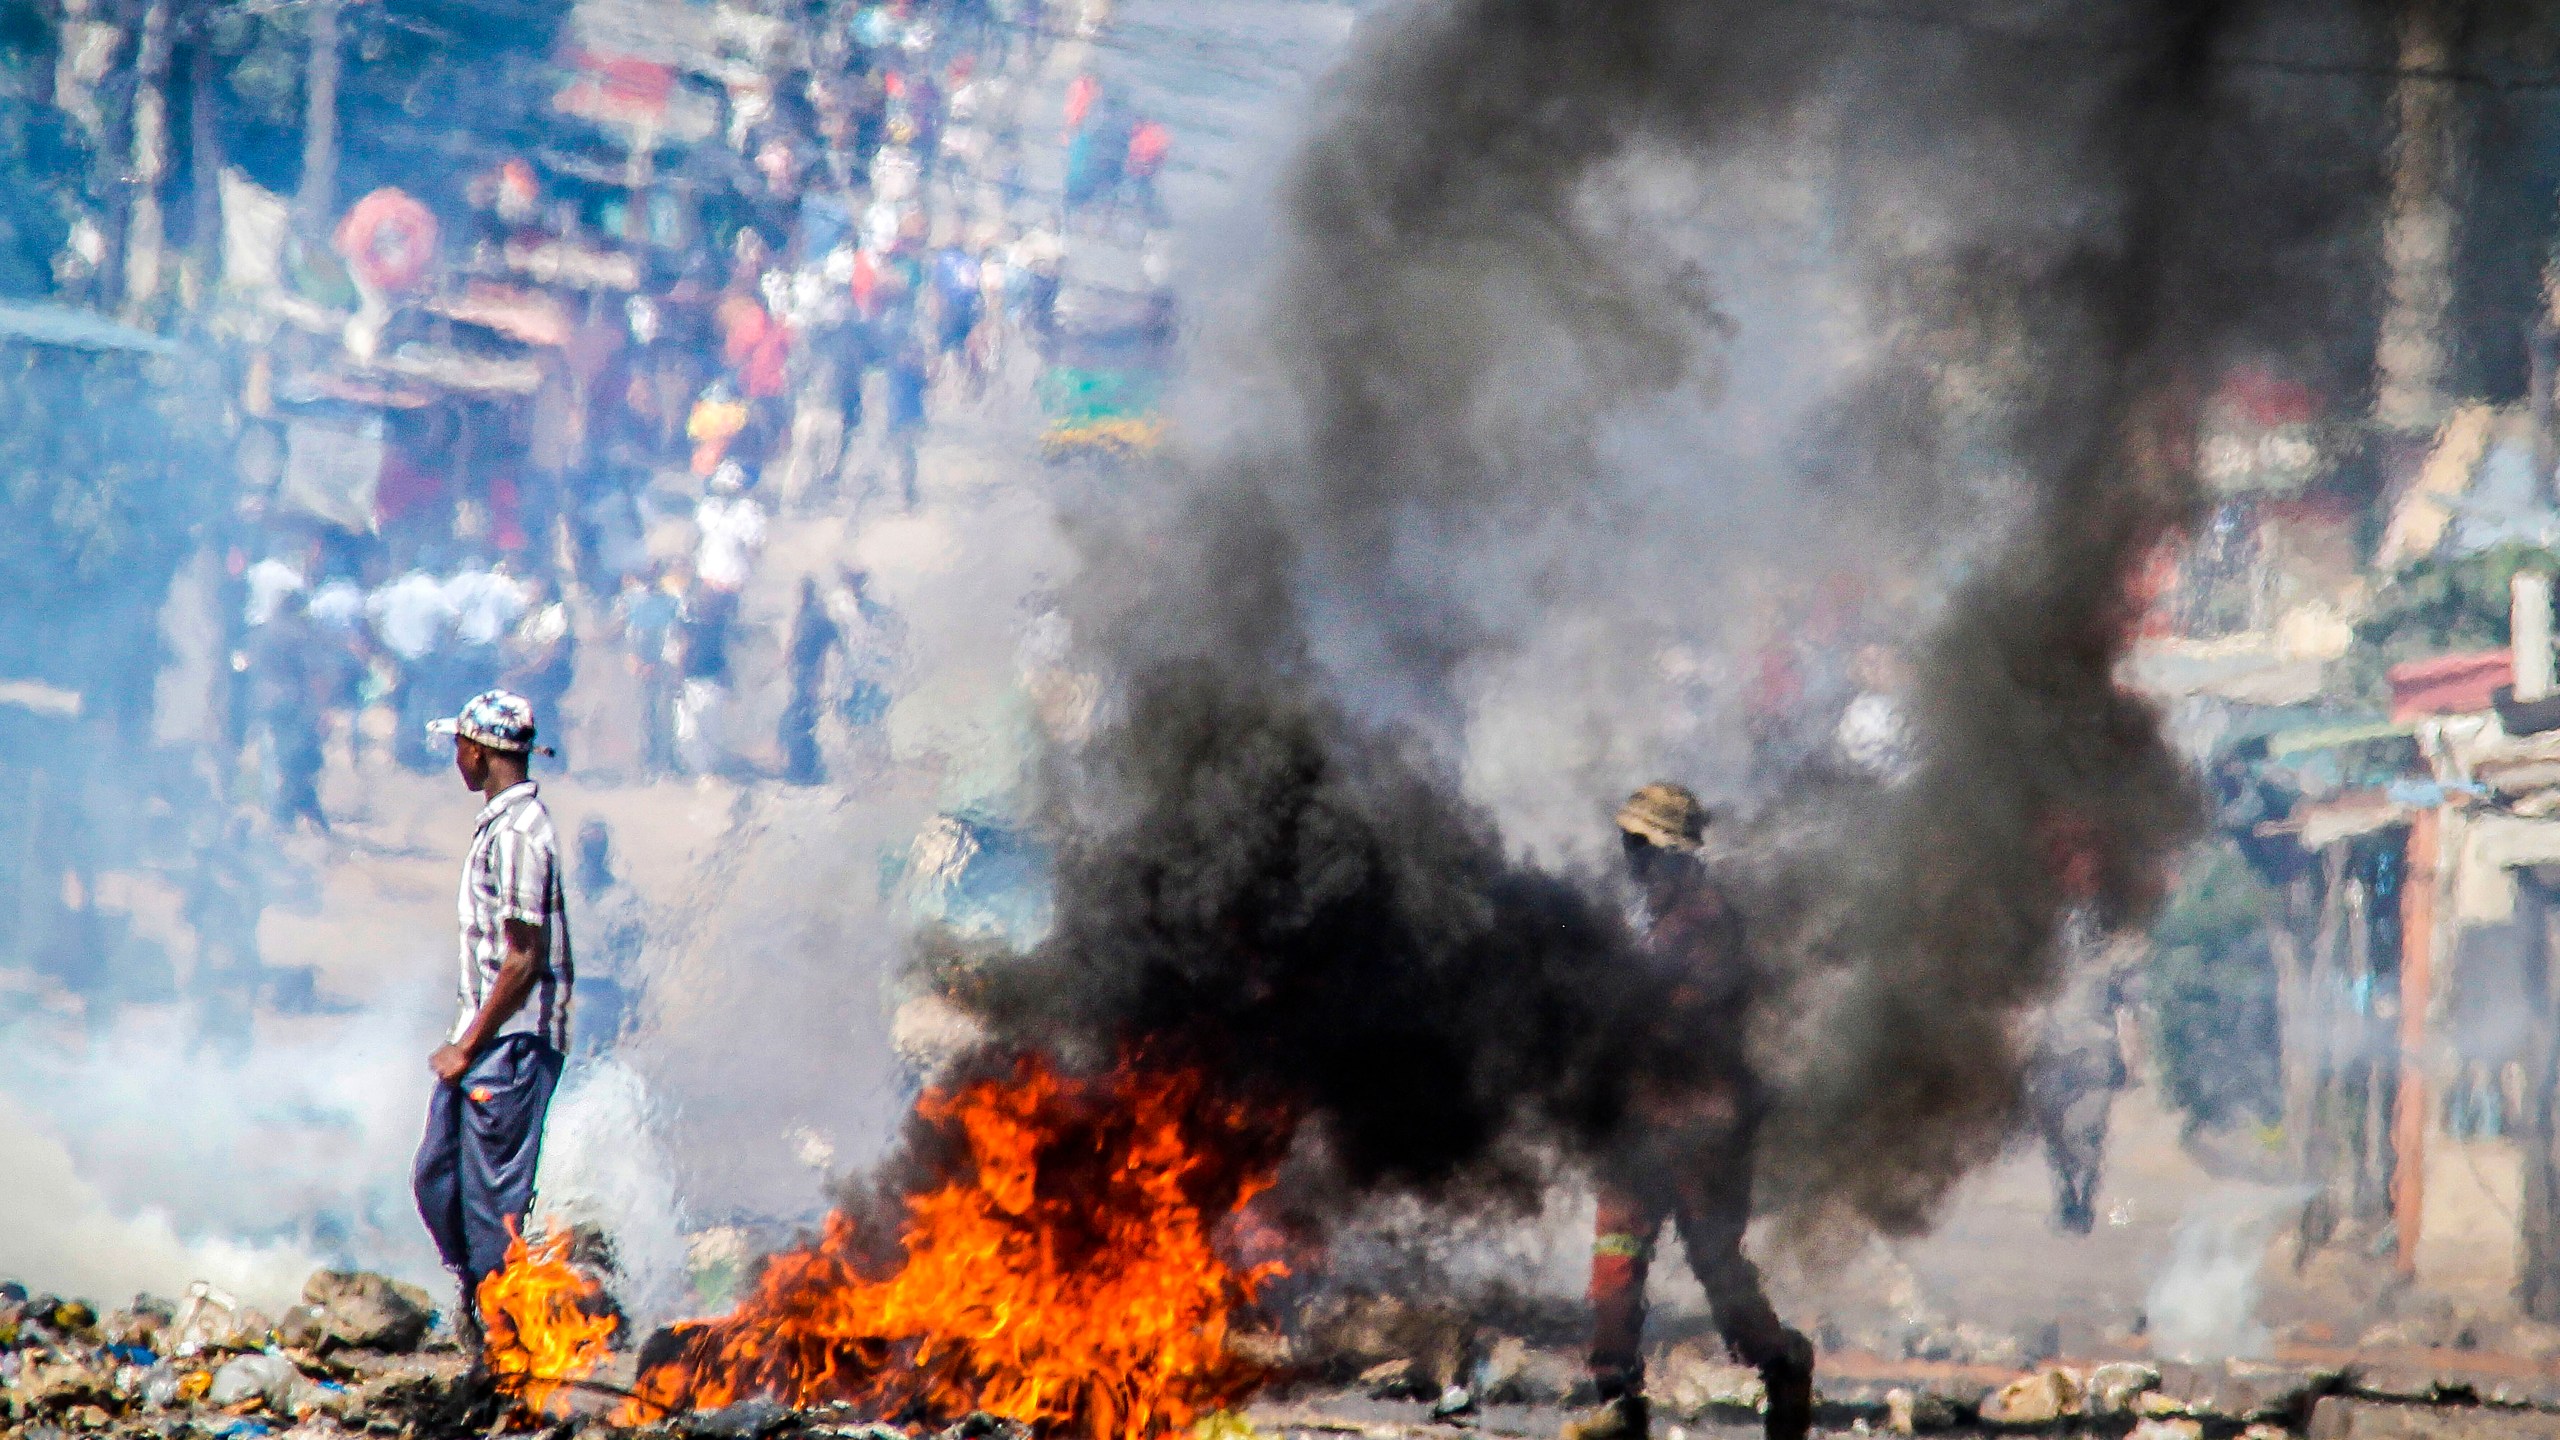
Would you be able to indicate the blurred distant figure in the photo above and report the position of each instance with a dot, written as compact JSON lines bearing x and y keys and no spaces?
{"x":1874,"y":733}
{"x":540,"y":653}
{"x":410,"y":617}
{"x":287,"y":676}
{"x":224,"y":896}
{"x":814,"y":636}
{"x":702,"y":679}
{"x":2078,"y":1063}
{"x":732,"y":529}
{"x":2251,"y":807}
{"x":613,"y":926}
{"x":956,"y":308}
{"x":486,"y":603}
{"x":267,"y":583}
{"x":647,"y":609}
{"x":342,"y":658}
{"x":872,"y":639}
{"x":1095,"y":154}
{"x":1149,"y":143}
{"x":910,"y":376}
{"x":718,"y":418}
{"x":609,"y":532}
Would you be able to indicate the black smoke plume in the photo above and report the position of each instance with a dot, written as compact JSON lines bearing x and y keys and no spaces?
{"x":2055,"y":223}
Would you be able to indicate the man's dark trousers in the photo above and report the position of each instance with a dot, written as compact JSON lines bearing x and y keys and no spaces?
{"x":484,"y":1139}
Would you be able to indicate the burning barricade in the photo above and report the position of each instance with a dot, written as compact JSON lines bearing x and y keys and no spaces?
{"x":1073,"y":1273}
{"x":548,"y":1323}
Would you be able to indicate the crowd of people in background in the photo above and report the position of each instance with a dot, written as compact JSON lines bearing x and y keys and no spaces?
{"x":885,"y":259}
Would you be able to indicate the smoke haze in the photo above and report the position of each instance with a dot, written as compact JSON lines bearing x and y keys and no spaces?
{"x":1593,"y":348}
{"x":1595,"y":340}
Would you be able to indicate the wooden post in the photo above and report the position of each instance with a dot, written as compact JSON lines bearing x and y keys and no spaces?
{"x":2538,"y":1226}
{"x":146,"y":231}
{"x":2312,"y":1050}
{"x":2529,"y":631}
{"x":2542,"y":356}
{"x":2299,"y":1038}
{"x":2368,"y":1083}
{"x":637,"y":176}
{"x":2409,"y":1110}
{"x":316,"y":200}
{"x":204,"y":141}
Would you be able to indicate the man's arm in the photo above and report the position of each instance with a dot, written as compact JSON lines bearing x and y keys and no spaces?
{"x":527,"y":944}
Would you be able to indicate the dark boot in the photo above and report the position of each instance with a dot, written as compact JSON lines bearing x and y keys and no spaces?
{"x":467,"y":1329}
{"x":1789,"y":1380}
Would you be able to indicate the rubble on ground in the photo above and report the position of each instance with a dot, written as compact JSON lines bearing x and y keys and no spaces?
{"x":208,"y":1366}
{"x":1694,"y":1381}
{"x":362,"y":1355}
{"x":1395,"y":1347}
{"x":1517,"y":1373}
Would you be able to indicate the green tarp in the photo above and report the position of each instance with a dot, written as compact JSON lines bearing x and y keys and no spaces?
{"x":1069,"y":396}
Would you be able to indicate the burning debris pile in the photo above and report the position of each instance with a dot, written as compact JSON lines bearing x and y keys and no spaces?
{"x":548,"y":1323}
{"x":1072,"y":1272}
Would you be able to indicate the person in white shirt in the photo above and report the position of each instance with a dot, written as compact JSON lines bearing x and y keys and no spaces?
{"x":338,"y":604}
{"x":411,"y":618}
{"x":541,"y":651}
{"x":1874,"y":734}
{"x":269,"y":581}
{"x":731,"y":525}
{"x":485,"y":602}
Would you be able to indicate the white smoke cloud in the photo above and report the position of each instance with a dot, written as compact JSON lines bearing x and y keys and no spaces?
{"x":138,"y":1161}
{"x":59,"y":1233}
{"x":604,"y":1165}
{"x":2204,"y":1304}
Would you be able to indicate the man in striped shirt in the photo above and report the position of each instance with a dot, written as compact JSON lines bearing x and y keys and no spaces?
{"x":494,"y":1075}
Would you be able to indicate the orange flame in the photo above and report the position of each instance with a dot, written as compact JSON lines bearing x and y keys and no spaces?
{"x":544,"y":1325}
{"x":1072,"y":1279}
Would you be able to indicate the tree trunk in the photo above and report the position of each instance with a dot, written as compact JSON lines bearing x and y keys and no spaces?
{"x":317,"y":199}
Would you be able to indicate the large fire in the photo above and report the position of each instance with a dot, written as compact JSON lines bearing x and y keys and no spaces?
{"x":546,"y":1321}
{"x":1072,"y":1275}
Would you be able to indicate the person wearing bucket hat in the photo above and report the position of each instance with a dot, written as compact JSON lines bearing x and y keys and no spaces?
{"x":1685,"y":1154}
{"x":1664,"y":816}
{"x":475,"y":1169}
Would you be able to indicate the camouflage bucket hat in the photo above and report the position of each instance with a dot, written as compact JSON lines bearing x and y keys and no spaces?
{"x":1664,"y":814}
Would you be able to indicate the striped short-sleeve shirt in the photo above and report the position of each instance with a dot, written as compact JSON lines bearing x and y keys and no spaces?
{"x":513,"y":873}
